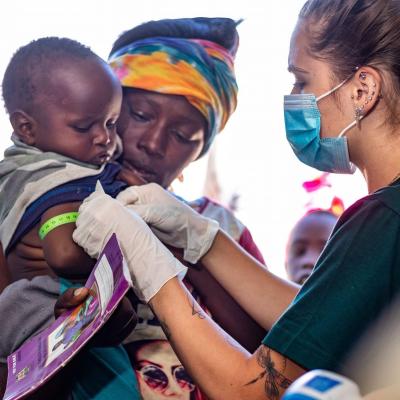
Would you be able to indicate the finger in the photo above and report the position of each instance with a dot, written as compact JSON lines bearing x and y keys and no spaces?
{"x":98,"y":193}
{"x":70,"y":299}
{"x":99,"y":188}
{"x":141,"y":210}
{"x":147,"y":193}
{"x":128,"y":196}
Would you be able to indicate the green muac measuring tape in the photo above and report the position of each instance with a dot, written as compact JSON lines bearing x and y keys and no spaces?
{"x":56,"y":221}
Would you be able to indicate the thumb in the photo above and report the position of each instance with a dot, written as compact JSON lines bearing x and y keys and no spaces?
{"x":70,"y":299}
{"x":99,"y":188}
{"x":98,"y":192}
{"x":128,"y":196}
{"x":144,"y":212}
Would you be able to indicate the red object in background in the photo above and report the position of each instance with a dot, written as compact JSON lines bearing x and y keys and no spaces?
{"x":337,"y":206}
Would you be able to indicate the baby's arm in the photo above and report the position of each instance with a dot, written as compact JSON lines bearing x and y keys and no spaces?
{"x":62,"y":254}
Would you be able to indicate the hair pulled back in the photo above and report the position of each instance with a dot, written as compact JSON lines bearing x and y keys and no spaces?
{"x":352,"y":33}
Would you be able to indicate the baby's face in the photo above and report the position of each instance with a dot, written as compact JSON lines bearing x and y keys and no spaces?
{"x":77,"y":114}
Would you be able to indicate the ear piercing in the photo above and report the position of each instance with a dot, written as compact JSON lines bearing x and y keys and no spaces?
{"x":363,"y":76}
{"x":359,"y":113}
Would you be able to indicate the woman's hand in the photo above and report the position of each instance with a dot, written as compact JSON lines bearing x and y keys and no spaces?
{"x":150,"y":263}
{"x":172,"y":221}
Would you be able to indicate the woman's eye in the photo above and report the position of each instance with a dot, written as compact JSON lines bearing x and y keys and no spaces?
{"x":139,"y":115}
{"x":181,"y":137}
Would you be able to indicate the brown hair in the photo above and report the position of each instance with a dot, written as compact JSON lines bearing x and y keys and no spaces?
{"x":353,"y":33}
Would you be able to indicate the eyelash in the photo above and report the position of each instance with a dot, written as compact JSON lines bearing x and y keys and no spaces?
{"x":181,"y":138}
{"x":109,"y":125}
{"x":82,"y":130}
{"x":138,"y":116}
{"x":299,"y":85}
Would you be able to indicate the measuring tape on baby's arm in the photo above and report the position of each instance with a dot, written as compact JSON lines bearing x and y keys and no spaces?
{"x":57,"y":221}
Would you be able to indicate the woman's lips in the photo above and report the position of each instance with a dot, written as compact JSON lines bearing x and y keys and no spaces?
{"x":142,"y":171}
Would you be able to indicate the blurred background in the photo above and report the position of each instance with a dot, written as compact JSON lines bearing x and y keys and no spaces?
{"x":252,"y":168}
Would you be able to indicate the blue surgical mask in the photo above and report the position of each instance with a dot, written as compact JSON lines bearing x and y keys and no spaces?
{"x":303,"y":124}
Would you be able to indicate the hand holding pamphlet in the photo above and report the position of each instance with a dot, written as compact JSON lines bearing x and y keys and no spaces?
{"x":38,"y":359}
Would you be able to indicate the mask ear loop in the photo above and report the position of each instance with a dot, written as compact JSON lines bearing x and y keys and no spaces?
{"x":332,"y":90}
{"x":353,"y":124}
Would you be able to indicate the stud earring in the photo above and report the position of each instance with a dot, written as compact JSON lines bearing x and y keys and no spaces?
{"x":363,"y":76}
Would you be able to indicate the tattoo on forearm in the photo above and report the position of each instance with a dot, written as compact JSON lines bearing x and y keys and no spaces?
{"x":196,"y":310}
{"x":274,"y":380}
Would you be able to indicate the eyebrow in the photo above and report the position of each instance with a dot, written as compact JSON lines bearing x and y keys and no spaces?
{"x":151,"y":363}
{"x":293,"y":68}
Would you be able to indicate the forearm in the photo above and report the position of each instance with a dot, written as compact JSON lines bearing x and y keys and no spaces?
{"x":221,"y":368}
{"x":389,"y":393}
{"x":225,"y":311}
{"x":205,"y":350}
{"x":260,"y":293}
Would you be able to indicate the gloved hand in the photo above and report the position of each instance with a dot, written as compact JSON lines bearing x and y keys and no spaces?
{"x":174,"y":222}
{"x":150,"y":263}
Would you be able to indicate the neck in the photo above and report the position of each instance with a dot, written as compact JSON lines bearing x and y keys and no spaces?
{"x":378,"y":156}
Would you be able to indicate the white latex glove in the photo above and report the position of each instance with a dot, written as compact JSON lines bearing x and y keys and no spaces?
{"x":150,"y":263}
{"x":174,"y":222}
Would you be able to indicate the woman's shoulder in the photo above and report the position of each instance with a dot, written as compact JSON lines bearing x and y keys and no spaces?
{"x":385,"y":200}
{"x":375,"y":214}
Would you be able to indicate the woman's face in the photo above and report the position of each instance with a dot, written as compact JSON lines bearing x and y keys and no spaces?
{"x":315,"y":76}
{"x":161,"y":134}
{"x":160,"y":374}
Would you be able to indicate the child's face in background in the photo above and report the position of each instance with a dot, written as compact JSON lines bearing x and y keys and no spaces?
{"x":77,"y":112}
{"x":306,"y":242}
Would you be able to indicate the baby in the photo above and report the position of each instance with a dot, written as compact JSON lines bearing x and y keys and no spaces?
{"x":63,"y":102}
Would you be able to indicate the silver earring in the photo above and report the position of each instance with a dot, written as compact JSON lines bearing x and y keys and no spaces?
{"x":359,"y":112}
{"x":363,"y":76}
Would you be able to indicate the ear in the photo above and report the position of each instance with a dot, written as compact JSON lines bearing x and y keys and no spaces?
{"x":24,"y":126}
{"x":366,"y":91}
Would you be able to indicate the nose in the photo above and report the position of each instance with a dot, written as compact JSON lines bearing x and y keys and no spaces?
{"x":102,"y":136}
{"x":309,"y":259}
{"x":173,"y":390}
{"x":154,"y":141}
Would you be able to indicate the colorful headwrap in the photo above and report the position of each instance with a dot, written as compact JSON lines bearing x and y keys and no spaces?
{"x":200,"y":70}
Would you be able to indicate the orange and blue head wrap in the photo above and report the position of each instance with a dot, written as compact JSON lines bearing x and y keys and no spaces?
{"x":200,"y":70}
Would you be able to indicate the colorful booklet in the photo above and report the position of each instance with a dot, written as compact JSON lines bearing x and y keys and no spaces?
{"x":37,"y":360}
